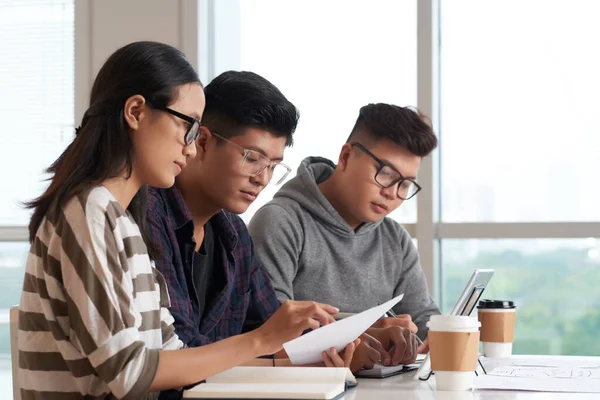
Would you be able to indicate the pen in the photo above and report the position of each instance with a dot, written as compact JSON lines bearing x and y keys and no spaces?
{"x":390,"y":313}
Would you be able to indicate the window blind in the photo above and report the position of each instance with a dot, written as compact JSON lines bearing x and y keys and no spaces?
{"x":37,"y":43}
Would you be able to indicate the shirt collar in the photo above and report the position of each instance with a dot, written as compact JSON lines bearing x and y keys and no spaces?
{"x":177,"y":208}
{"x":224,"y":229}
{"x":182,"y":216}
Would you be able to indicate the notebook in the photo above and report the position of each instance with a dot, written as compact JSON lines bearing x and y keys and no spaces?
{"x":381,"y":371}
{"x":275,"y":383}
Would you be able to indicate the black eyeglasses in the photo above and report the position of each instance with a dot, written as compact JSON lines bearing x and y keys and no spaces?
{"x":193,"y":130}
{"x":388,"y":176}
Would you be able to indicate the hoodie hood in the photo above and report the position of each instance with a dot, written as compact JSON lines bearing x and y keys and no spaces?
{"x":303,"y":190}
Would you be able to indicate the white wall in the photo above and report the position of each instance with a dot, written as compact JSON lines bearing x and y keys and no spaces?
{"x":102,"y":26}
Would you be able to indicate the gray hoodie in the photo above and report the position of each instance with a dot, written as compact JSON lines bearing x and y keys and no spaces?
{"x":311,"y":253}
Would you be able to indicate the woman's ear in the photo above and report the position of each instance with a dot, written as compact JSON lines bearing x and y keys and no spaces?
{"x":344,"y":156}
{"x":135,"y":111}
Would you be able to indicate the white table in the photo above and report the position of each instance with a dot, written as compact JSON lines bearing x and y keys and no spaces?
{"x":403,"y":387}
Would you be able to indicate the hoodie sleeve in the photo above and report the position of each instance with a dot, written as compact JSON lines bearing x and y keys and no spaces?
{"x":278,"y":241}
{"x":417,"y":302}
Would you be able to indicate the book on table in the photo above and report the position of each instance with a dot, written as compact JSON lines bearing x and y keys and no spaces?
{"x":275,"y":383}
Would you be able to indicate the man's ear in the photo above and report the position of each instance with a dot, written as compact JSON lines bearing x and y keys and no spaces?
{"x":202,"y":142}
{"x":135,"y":110}
{"x":344,"y":157}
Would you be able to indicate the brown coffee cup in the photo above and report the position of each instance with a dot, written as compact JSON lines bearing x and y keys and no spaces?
{"x":498,"y":318}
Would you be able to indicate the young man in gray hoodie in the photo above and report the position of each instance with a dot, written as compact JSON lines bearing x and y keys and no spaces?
{"x":326,"y":236}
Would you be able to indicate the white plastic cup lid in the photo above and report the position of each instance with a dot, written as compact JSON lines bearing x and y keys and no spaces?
{"x":452,"y":322}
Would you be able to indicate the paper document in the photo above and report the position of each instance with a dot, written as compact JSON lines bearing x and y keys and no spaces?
{"x":537,"y":384}
{"x":571,"y":362}
{"x":546,"y":374}
{"x":307,"y":348}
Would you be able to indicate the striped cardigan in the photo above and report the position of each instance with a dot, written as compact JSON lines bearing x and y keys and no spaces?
{"x":93,"y":312}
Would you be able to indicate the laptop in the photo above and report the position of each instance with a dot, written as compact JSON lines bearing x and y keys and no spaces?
{"x":464,"y":306}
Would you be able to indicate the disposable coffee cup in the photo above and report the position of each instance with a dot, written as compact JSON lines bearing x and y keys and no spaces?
{"x":454,"y":350}
{"x":497,"y":319}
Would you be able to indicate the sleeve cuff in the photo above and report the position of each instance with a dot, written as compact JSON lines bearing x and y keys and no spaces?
{"x":146,"y":377}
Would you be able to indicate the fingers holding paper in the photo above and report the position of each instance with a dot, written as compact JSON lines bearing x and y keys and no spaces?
{"x":290,"y":320}
{"x":332,"y":358}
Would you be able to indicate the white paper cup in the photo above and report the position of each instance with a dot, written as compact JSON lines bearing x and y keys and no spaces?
{"x":447,"y":350}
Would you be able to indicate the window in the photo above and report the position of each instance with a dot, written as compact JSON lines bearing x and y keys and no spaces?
{"x":13,"y":256}
{"x":518,"y":104}
{"x":552,"y":281}
{"x":36,"y":109}
{"x":37,"y":102}
{"x":518,"y":161}
{"x":329,"y":58}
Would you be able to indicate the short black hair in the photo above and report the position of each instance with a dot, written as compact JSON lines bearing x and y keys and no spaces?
{"x":405,"y":126}
{"x":237,"y":100}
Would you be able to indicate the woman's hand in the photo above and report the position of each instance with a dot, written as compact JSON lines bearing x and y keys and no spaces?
{"x":289,"y":321}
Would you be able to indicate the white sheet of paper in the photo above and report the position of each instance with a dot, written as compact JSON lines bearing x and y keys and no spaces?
{"x":542,"y":361}
{"x":545,"y":372}
{"x":570,"y":362}
{"x":538,"y":384}
{"x":307,"y":348}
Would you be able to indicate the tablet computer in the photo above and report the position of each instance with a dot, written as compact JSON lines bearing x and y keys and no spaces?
{"x":464,"y":306}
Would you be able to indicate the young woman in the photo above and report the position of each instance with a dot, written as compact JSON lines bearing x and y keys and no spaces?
{"x":93,"y":314}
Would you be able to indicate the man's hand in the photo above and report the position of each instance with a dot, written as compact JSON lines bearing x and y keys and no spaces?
{"x":403,"y":320}
{"x":424,"y":348}
{"x":399,"y":345}
{"x":367,"y":353}
{"x":332,"y":358}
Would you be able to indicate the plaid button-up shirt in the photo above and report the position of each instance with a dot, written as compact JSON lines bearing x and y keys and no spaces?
{"x":247,"y":299}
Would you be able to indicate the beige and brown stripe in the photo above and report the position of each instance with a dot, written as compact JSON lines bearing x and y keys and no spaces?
{"x":93,"y":312}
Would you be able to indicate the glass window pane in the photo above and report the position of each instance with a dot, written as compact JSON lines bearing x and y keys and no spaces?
{"x":37,"y":103}
{"x":519,"y":99}
{"x":329,"y":58}
{"x":553,"y":282}
{"x":13,"y":257}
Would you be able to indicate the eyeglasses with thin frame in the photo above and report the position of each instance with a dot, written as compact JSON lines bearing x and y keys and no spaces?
{"x":193,"y":130}
{"x":254,"y":163}
{"x":388,"y":176}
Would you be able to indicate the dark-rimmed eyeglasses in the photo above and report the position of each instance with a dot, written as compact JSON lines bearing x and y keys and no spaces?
{"x":254,"y":163}
{"x":388,"y":176}
{"x":193,"y":130}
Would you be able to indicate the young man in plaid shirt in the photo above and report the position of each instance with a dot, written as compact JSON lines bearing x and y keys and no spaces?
{"x":217,"y":286}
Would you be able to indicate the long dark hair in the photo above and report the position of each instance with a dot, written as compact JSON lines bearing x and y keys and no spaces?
{"x":102,"y":147}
